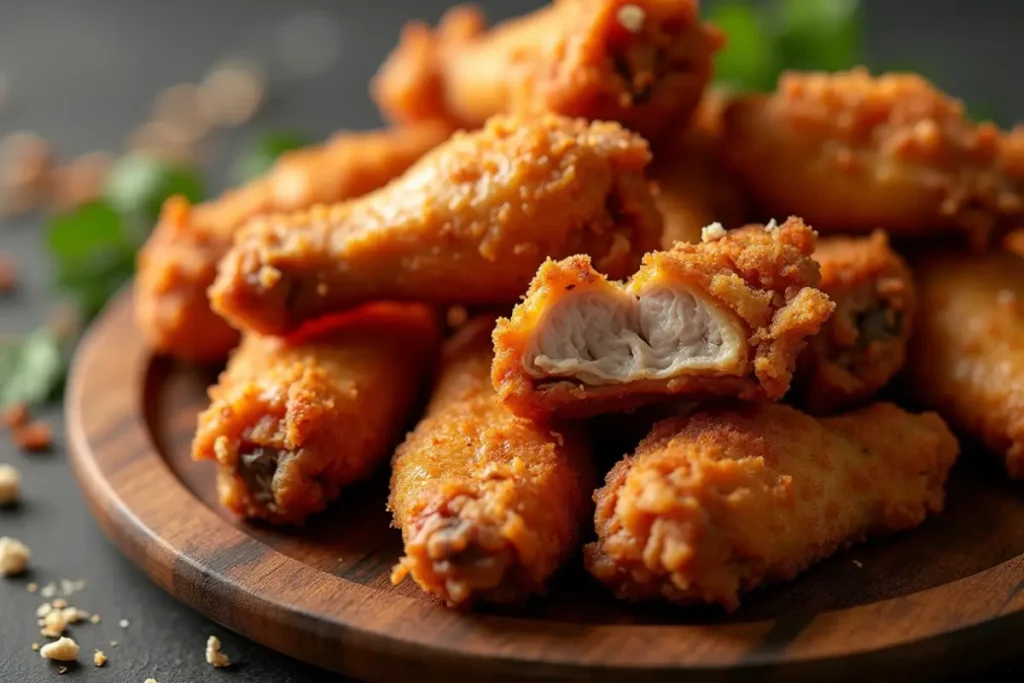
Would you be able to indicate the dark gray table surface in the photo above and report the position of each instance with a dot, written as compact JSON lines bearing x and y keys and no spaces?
{"x":84,"y":72}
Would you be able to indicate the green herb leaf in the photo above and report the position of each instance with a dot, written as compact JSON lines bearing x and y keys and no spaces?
{"x":93,"y":254}
{"x":817,"y":35}
{"x":257,"y":160}
{"x":139,"y":184}
{"x":749,"y":60}
{"x":32,"y":368}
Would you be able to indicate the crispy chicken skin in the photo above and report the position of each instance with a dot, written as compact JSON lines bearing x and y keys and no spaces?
{"x":178,"y":262}
{"x":1015,"y":242}
{"x":643,"y":63}
{"x":717,"y":503}
{"x":489,"y":504}
{"x":468,"y":224}
{"x":292,"y":422}
{"x":967,"y":351}
{"x":726,"y":317}
{"x":860,"y":152}
{"x":864,"y":343}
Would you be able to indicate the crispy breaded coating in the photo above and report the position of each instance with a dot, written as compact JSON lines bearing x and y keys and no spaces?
{"x":1015,"y":242}
{"x":726,"y":317}
{"x":717,"y":503}
{"x":864,"y":343}
{"x":967,"y":352}
{"x":489,"y":504}
{"x":179,"y":261}
{"x":292,"y":422}
{"x":853,"y":152}
{"x":469,"y":224}
{"x":643,"y":63}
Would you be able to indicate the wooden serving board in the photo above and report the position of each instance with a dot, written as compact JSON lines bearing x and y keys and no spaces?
{"x":948,"y":597}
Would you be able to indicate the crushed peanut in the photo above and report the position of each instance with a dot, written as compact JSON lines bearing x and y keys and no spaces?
{"x":10,"y":485}
{"x":54,"y":624}
{"x":60,"y":603}
{"x":49,"y":590}
{"x":95,"y":619}
{"x":14,"y":556}
{"x":35,"y":647}
{"x":113,"y":643}
{"x":63,"y":650}
{"x":35,"y":437}
{"x":73,"y":615}
{"x":99,"y":659}
{"x":631,"y":17}
{"x":712,"y":232}
{"x":32,"y":587}
{"x":44,"y":609}
{"x":62,"y":670}
{"x":214,"y":657}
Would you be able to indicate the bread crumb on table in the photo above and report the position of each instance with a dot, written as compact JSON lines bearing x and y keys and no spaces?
{"x":63,"y":650}
{"x":150,"y":680}
{"x":95,"y":619}
{"x":59,"y":603}
{"x":35,"y":647}
{"x":214,"y":656}
{"x":61,"y":671}
{"x":54,"y":624}
{"x":99,"y":659}
{"x":123,"y":623}
{"x":10,"y":485}
{"x":49,"y":590}
{"x":44,"y":609}
{"x":14,"y":556}
{"x":32,"y":587}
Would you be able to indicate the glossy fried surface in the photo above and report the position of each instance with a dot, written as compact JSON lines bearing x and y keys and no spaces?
{"x":967,"y":352}
{"x":291,"y":424}
{"x":643,"y":63}
{"x":179,"y":261}
{"x":762,"y":280}
{"x":717,"y":503}
{"x":489,"y":504}
{"x":853,"y":152}
{"x":468,"y":224}
{"x":864,"y":344}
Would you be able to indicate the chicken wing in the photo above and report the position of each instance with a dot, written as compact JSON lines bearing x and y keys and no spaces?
{"x":643,"y":63}
{"x":864,"y":344}
{"x":469,"y":224}
{"x":967,"y":352}
{"x":292,"y":422}
{"x":489,"y":504}
{"x":717,"y":503}
{"x":178,"y":262}
{"x":726,"y":317}
{"x":859,"y":152}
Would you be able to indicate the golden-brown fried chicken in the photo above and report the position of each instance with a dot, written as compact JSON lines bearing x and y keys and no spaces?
{"x":178,"y":262}
{"x":489,"y":504}
{"x":469,"y":224}
{"x":717,"y":503}
{"x":643,"y":63}
{"x":967,"y":352}
{"x":864,"y":344}
{"x":726,"y":317}
{"x":853,"y":152}
{"x":292,"y":422}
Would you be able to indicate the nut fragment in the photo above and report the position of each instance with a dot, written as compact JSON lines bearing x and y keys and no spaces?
{"x":99,"y":659}
{"x":35,"y":437}
{"x":214,"y":656}
{"x":14,"y":556}
{"x":63,"y":650}
{"x":10,"y":485}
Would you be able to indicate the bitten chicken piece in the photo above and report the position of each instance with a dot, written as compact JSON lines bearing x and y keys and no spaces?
{"x":179,"y":261}
{"x":469,"y":224}
{"x":726,"y":317}
{"x":864,"y":344}
{"x":292,"y":422}
{"x":715,"y":504}
{"x":860,"y":152}
{"x":643,"y":63}
{"x":489,"y":504}
{"x":967,"y":352}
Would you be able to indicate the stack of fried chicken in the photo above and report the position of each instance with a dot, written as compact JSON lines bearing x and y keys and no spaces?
{"x":608,"y":236}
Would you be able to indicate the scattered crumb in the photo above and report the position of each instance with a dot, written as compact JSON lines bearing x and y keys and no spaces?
{"x":10,"y":485}
{"x":15,"y":415}
{"x":457,"y":317}
{"x":63,"y":650}
{"x":35,"y":647}
{"x":113,"y":643}
{"x":712,"y":232}
{"x":14,"y":556}
{"x":99,"y":659}
{"x":35,"y":437}
{"x":60,"y":603}
{"x":771,"y":225}
{"x":32,"y":587}
{"x":8,"y":273}
{"x":123,"y":623}
{"x":214,"y":656}
{"x":150,"y":680}
{"x":69,"y":587}
{"x":54,"y":624}
{"x":62,"y":670}
{"x":95,"y":619}
{"x":73,"y":615}
{"x":44,"y":609}
{"x":631,"y":17}
{"x":49,"y":590}
{"x":858,"y":564}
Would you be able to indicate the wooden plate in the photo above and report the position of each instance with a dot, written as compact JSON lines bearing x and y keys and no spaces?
{"x":947,"y":597}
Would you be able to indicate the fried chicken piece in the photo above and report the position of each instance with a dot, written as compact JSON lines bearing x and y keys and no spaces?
{"x":737,"y":495}
{"x":859,"y":152}
{"x":726,"y":317}
{"x":489,"y":504}
{"x":643,"y":63}
{"x":1015,"y":242}
{"x":864,"y":344}
{"x":179,"y":261}
{"x":468,"y":224}
{"x":967,"y":352}
{"x":292,"y":422}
